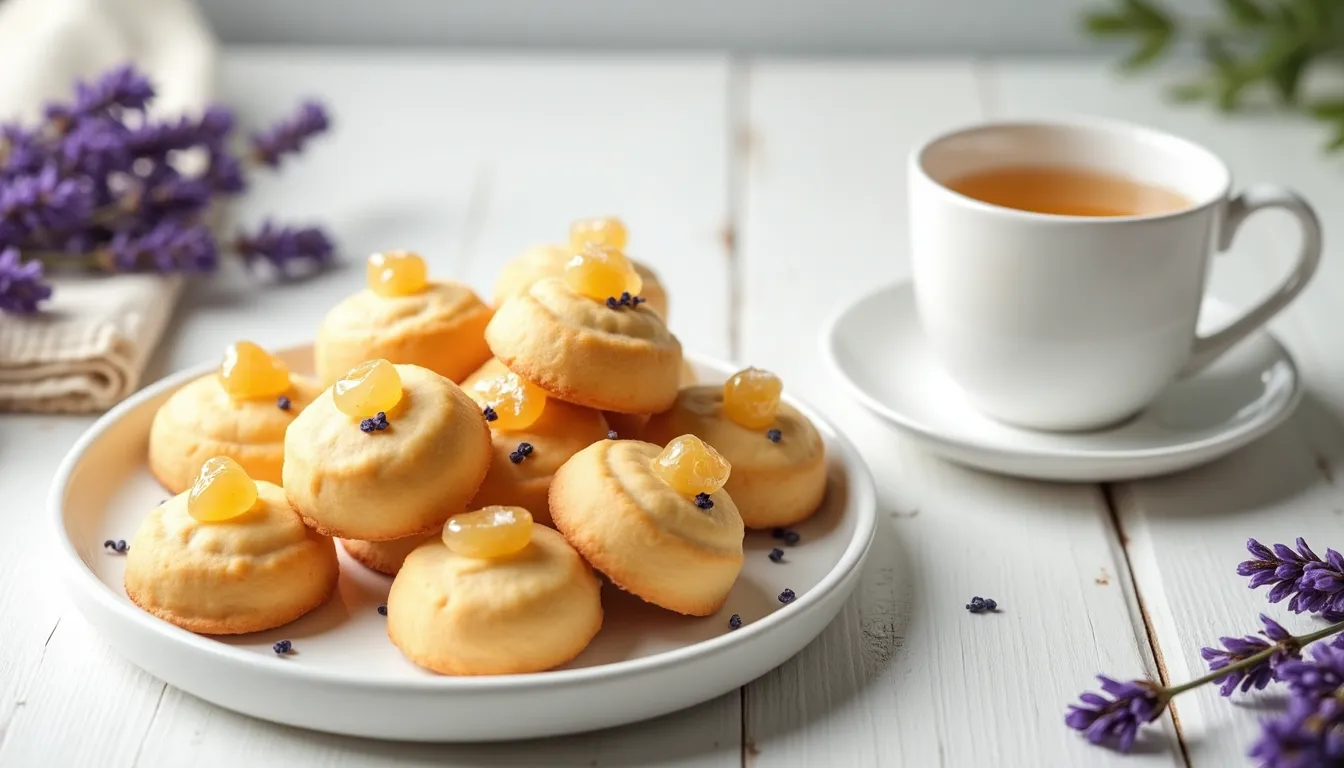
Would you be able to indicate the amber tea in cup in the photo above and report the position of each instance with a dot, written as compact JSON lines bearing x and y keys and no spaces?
{"x":1067,"y":191}
{"x":1059,"y":266}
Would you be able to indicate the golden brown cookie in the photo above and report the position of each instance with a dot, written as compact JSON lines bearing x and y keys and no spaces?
{"x":630,"y":426}
{"x":200,"y":421}
{"x":526,"y":612}
{"x":392,"y":483}
{"x":441,"y":328}
{"x":257,"y":571}
{"x":562,"y":431}
{"x":647,"y":538}
{"x":385,"y":556}
{"x":543,"y":261}
{"x":583,"y":352}
{"x":773,"y":483}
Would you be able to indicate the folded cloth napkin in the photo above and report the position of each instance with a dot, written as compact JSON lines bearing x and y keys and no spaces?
{"x":86,"y":350}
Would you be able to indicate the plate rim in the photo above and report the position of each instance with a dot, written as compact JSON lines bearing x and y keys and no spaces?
{"x":76,"y":575}
{"x":1224,"y":441}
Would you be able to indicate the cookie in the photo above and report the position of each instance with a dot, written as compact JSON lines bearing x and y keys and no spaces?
{"x":524,"y":480}
{"x":647,"y":538}
{"x":441,"y":327}
{"x":630,"y":426}
{"x":543,"y":261}
{"x":528,"y":611}
{"x":773,"y":483}
{"x":405,"y":479}
{"x":257,"y":571}
{"x":201,"y":420}
{"x":384,"y":556}
{"x":581,"y":351}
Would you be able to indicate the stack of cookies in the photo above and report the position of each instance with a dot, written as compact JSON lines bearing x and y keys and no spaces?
{"x":488,"y":458}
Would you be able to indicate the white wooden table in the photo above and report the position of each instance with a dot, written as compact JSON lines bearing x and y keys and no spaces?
{"x":767,"y":193}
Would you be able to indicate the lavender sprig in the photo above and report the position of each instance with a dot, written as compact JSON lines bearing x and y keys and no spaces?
{"x":36,"y":206}
{"x":95,"y":185}
{"x":1319,"y":677}
{"x":1310,"y":735}
{"x":287,"y":137}
{"x":121,"y":88}
{"x":1312,"y":584}
{"x":171,"y":246}
{"x":290,"y":250}
{"x":1280,"y":642}
{"x":1116,"y":722}
{"x":21,"y":286}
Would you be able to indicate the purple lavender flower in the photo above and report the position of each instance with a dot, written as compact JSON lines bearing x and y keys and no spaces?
{"x":1315,"y":585}
{"x":157,"y":139}
{"x":291,"y":250}
{"x":98,"y":183}
{"x":175,"y":195}
{"x":1285,"y":569}
{"x":216,"y":124}
{"x":288,"y":136}
{"x":1321,"y":587}
{"x":22,"y":151}
{"x":1237,"y":649}
{"x":1117,"y":720}
{"x":121,"y":88}
{"x":1310,"y":735}
{"x":43,"y":203}
{"x":96,"y":148}
{"x":226,"y":174}
{"x":171,"y":246}
{"x":1320,"y":677}
{"x":21,"y":286}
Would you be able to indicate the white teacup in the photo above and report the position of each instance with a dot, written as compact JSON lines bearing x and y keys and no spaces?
{"x":1069,"y":322}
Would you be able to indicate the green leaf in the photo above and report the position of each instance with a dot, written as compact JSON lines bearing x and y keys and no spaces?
{"x":1153,"y":46}
{"x":1336,"y":143}
{"x":1307,"y":15}
{"x":1229,"y":95}
{"x":1217,"y":54}
{"x":1245,"y":12}
{"x":1148,"y":16}
{"x":1328,"y":109}
{"x":1103,"y":24}
{"x":1288,"y":74}
{"x":1189,"y":92}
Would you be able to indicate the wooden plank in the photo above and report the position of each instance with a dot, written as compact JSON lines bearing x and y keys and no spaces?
{"x":1187,"y":532}
{"x":31,"y":447}
{"x":470,"y":159}
{"x":906,"y":675}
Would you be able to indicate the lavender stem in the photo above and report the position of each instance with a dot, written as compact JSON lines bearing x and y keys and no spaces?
{"x":1296,"y":641}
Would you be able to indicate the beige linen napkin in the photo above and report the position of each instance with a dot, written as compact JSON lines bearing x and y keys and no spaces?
{"x":87,"y":349}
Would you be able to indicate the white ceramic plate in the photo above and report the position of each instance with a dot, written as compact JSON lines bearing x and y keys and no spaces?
{"x":875,"y":347}
{"x":346,"y":677}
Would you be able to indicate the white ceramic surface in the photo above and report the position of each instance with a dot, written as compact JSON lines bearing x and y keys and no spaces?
{"x":1076,"y":322}
{"x":876,"y":348}
{"x":345,"y":677}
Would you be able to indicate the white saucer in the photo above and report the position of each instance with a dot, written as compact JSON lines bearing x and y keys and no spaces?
{"x":344,"y":676}
{"x":876,"y":348}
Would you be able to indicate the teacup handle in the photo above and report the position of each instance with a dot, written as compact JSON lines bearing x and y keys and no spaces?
{"x":1206,"y":349}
